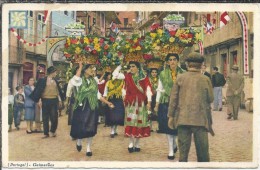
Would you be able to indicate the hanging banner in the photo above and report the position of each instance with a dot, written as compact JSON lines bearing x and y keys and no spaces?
{"x":18,"y":19}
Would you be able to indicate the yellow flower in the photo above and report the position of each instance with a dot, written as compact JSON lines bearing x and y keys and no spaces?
{"x":157,"y":41}
{"x":153,"y":35}
{"x":86,"y":40}
{"x":154,"y":44}
{"x":135,"y":40}
{"x":68,"y":41}
{"x":138,"y":48}
{"x":99,"y":49}
{"x":95,"y":40}
{"x":78,"y":50}
{"x":127,"y":46}
{"x":130,"y":50}
{"x":197,"y":36}
{"x":160,"y":31}
{"x":179,"y":32}
{"x":115,"y":45}
{"x":172,"y":39}
{"x":97,"y":46}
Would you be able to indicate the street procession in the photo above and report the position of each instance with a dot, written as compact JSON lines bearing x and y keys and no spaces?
{"x":135,"y":86}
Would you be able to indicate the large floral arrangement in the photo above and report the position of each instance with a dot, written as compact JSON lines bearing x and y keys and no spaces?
{"x":86,"y":48}
{"x":164,"y":41}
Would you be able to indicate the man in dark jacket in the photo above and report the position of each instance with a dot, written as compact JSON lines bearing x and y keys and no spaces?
{"x":204,"y":72}
{"x":218,"y":81}
{"x":48,"y":90}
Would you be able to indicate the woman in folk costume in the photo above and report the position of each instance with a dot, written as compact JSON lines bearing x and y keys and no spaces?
{"x":85,"y":116}
{"x":153,"y":77}
{"x":166,"y":81}
{"x":115,"y":116}
{"x":137,"y":103}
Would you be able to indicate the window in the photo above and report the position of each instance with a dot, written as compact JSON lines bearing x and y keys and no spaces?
{"x":196,"y":17}
{"x":39,"y":28}
{"x":72,"y":15}
{"x":88,"y":22}
{"x":40,"y":18}
{"x":66,"y":13}
{"x":30,"y":13}
{"x":94,"y":20}
{"x":125,"y":22}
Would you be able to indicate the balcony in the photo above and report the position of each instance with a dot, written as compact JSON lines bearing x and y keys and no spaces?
{"x":15,"y":55}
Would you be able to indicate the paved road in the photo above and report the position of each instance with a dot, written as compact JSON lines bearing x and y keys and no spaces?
{"x":232,"y":143}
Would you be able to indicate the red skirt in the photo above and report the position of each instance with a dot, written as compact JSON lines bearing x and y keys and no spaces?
{"x":137,"y":132}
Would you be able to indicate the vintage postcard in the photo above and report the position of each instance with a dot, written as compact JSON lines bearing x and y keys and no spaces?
{"x":101,"y":85}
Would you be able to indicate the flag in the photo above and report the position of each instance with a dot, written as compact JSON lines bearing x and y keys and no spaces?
{"x":46,"y":16}
{"x":18,"y":19}
{"x":201,"y":47}
{"x":224,"y":18}
{"x":208,"y":25}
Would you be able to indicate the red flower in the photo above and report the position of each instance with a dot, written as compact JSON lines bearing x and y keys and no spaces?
{"x":190,"y":35}
{"x":129,"y":119}
{"x":172,"y":33}
{"x":73,"y":41}
{"x":106,"y":46}
{"x":119,"y":53}
{"x":67,"y":55}
{"x":94,"y":52}
{"x":66,"y":45}
{"x":105,"y":53}
{"x":154,"y":27}
{"x":90,"y":40}
{"x":87,"y":48}
{"x":112,"y":39}
{"x":81,"y":40}
{"x":147,"y":56}
{"x":101,"y":40}
{"x":140,"y":121}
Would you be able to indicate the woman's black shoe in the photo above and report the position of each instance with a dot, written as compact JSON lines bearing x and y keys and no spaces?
{"x":89,"y":154}
{"x":137,"y":149}
{"x":112,"y":135}
{"x":171,"y":157}
{"x":175,"y":150}
{"x":28,"y":132}
{"x":130,"y":150}
{"x":79,"y":147}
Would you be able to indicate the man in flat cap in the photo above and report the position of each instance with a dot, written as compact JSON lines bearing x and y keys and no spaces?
{"x":235,"y":87}
{"x":189,"y":109}
{"x":48,"y":90}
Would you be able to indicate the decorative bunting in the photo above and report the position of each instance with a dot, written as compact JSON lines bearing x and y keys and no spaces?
{"x":28,"y":43}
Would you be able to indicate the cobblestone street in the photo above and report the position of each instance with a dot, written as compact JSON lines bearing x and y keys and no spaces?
{"x":232,"y":143}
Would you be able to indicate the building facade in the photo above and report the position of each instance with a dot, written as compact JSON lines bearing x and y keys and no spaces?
{"x":26,"y":60}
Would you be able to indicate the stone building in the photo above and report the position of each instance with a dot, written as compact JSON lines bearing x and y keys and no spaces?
{"x":26,"y":60}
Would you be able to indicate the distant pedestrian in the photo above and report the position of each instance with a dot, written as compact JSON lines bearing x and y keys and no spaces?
{"x":204,"y":72}
{"x":48,"y":90}
{"x":29,"y":106}
{"x":18,"y":106}
{"x":10,"y":109}
{"x":218,"y":81}
{"x":189,"y":109}
{"x":235,"y":87}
